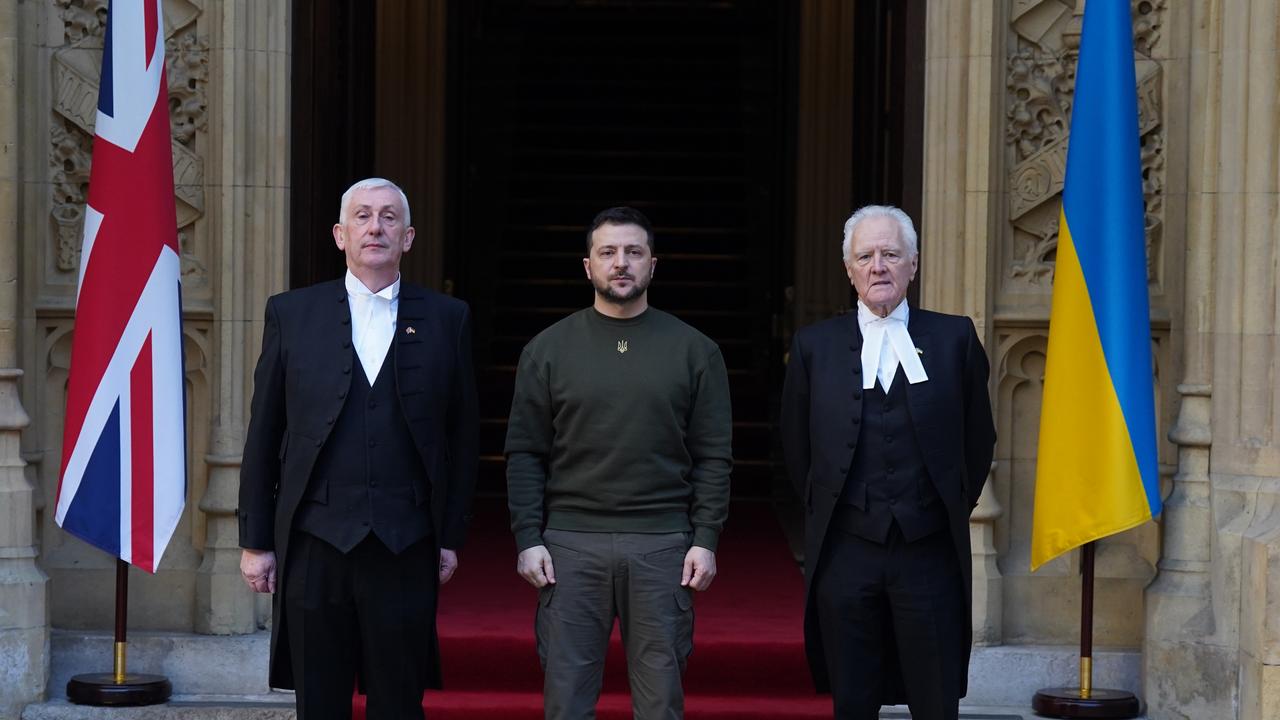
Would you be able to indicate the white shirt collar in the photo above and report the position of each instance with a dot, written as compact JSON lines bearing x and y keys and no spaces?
{"x":866,"y":316}
{"x":886,"y":344}
{"x":356,"y":287}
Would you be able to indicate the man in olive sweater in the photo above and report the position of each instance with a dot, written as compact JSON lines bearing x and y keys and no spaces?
{"x":618,"y":458}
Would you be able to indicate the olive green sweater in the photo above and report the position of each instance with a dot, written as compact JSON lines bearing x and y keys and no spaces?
{"x":619,"y":426}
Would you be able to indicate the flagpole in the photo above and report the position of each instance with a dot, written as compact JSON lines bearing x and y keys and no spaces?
{"x":122,"y":612}
{"x":119,"y":687}
{"x":1086,"y":701}
{"x":1086,"y":620}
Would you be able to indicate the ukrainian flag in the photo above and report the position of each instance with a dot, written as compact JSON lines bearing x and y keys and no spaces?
{"x":1097,"y":472}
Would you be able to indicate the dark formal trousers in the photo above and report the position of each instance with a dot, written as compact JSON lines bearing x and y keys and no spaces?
{"x":896,"y":601}
{"x":360,"y":614}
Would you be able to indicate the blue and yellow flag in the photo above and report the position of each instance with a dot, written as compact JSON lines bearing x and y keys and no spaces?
{"x":1097,"y":471}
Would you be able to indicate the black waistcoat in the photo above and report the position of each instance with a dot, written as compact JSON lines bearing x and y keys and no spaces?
{"x":887,"y":479}
{"x":363,"y":477}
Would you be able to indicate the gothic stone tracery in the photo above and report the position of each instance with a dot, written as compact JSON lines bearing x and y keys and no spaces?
{"x":76,"y":71}
{"x":1040,"y":81}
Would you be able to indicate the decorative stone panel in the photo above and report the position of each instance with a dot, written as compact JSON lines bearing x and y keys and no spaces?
{"x":1040,"y":58}
{"x":1040,"y":84}
{"x":69,"y":63}
{"x":163,"y":601}
{"x":76,"y":72}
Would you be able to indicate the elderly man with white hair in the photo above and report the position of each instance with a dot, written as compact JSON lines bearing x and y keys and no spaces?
{"x":888,"y":438}
{"x":358,"y":471}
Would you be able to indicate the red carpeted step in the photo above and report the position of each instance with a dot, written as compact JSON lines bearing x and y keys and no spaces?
{"x":718,"y":665}
{"x":748,"y":660}
{"x":454,"y":705}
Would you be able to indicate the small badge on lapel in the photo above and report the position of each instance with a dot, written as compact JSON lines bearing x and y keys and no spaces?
{"x":410,"y":331}
{"x":919,"y":351}
{"x":622,"y":346}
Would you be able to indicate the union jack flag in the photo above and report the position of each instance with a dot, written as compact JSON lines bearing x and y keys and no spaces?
{"x":123,"y":481}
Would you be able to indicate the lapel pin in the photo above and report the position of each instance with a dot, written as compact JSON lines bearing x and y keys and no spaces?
{"x":919,"y":351}
{"x":410,"y":331}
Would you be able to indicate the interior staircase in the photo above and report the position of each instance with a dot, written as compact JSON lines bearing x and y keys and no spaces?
{"x":671,"y":107}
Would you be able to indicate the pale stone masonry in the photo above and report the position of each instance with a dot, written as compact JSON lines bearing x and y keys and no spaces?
{"x":24,"y":588}
{"x":1197,"y":595}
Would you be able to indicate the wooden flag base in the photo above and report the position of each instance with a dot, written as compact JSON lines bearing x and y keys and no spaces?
{"x":1066,"y":702}
{"x":1084,"y":700}
{"x":119,"y":687}
{"x":103,"y":689}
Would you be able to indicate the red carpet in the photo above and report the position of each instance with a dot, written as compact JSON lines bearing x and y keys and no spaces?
{"x":748,"y":659}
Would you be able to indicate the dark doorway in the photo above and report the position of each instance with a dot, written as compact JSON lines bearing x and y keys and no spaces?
{"x":888,"y":82}
{"x":331,"y":136}
{"x":675,"y":108}
{"x":543,"y":112}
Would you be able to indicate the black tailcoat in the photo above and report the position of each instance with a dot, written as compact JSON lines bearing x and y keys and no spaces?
{"x":302,"y":380}
{"x":951,"y":415}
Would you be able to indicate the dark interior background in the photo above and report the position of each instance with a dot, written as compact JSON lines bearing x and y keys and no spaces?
{"x":556,"y":109}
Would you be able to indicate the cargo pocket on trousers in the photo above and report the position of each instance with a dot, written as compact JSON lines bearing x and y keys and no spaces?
{"x":540,"y":624}
{"x":684,"y":641}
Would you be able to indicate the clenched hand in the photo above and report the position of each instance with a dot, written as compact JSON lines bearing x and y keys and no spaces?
{"x":258,"y":568}
{"x":534,"y":565}
{"x":699,"y":568}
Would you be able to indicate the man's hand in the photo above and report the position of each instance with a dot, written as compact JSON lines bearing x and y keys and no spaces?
{"x":258,"y":568}
{"x":448,"y":564}
{"x":534,"y":565}
{"x":699,"y":568}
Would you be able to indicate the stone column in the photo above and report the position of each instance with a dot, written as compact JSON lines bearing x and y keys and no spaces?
{"x":1184,"y":655}
{"x":988,"y":601}
{"x":24,"y":604}
{"x":961,"y":194}
{"x":1245,"y":455}
{"x":1213,"y":645}
{"x":961,"y":201}
{"x":248,"y":190}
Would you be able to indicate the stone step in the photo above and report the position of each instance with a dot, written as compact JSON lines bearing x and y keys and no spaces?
{"x":279,"y":706}
{"x":276,"y":706}
{"x":236,"y":666}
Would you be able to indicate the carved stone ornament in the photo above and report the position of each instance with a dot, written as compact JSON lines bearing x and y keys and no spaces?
{"x":76,"y":76}
{"x":1040,"y":82}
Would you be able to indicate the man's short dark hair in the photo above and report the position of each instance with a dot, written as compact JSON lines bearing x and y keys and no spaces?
{"x":622,"y":216}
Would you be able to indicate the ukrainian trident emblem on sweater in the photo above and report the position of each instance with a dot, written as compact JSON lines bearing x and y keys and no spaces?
{"x":622,"y":346}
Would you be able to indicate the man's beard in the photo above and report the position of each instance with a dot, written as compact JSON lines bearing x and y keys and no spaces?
{"x":606,"y":291}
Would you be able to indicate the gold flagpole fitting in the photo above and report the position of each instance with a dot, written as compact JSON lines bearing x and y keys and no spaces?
{"x":1086,"y":676}
{"x":120,"y":663}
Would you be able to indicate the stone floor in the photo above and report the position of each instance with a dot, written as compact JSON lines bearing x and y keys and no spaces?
{"x":279,"y":706}
{"x":217,"y":666}
{"x":207,"y":670}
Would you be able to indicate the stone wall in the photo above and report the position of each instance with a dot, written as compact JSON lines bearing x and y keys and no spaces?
{"x":1039,"y":57}
{"x":227,"y":76}
{"x":1000,"y":79}
{"x":65,"y":53}
{"x":24,"y":596}
{"x":227,"y":81}
{"x":1213,"y":620}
